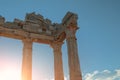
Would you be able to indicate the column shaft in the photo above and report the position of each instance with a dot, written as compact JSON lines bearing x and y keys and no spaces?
{"x":27,"y":60}
{"x":73,"y":59}
{"x":58,"y":65}
{"x":74,"y":66}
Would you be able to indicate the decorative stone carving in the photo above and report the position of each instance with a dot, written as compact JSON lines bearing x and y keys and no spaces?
{"x":56,"y":46}
{"x":70,"y":32}
{"x":70,"y":21}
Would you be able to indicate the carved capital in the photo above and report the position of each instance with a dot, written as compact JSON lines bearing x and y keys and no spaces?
{"x":71,"y":31}
{"x":56,"y":46}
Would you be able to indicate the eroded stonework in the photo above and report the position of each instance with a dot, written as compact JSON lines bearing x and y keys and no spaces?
{"x":36,"y":25}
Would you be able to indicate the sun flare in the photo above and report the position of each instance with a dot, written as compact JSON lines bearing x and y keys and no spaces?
{"x":9,"y":74}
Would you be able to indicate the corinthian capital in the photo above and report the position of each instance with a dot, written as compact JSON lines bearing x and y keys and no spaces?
{"x":71,"y":31}
{"x":56,"y":46}
{"x":70,"y":23}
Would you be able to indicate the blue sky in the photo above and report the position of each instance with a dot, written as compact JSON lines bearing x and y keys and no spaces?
{"x":98,"y":37}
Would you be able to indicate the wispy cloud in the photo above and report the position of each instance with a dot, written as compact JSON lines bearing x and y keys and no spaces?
{"x":103,"y":75}
{"x":99,"y":75}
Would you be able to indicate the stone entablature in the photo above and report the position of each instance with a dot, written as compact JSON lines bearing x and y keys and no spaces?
{"x":34,"y":26}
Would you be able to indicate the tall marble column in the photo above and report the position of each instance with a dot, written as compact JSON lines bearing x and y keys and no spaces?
{"x":27,"y":60}
{"x":73,"y":59}
{"x":58,"y":65}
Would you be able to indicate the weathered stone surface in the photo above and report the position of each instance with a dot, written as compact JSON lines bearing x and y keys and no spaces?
{"x":35,"y":23}
{"x":2,"y":20}
{"x":70,"y":18}
{"x":32,"y":28}
{"x":19,"y":22}
{"x":47,"y":21}
{"x":12,"y":25}
{"x":33,"y":18}
{"x":48,"y":32}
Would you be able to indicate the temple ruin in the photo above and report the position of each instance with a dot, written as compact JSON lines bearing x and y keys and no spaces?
{"x":37,"y":29}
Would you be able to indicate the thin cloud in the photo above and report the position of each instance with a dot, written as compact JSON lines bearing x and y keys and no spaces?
{"x":103,"y":75}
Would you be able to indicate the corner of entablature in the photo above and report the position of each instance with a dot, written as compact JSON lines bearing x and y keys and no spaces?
{"x":70,"y":21}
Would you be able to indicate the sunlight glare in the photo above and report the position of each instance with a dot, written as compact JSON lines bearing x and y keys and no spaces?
{"x":9,"y":74}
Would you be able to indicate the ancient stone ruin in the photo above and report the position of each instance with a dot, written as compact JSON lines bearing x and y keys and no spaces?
{"x":37,"y":29}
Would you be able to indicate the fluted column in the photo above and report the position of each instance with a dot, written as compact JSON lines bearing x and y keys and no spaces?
{"x":58,"y":65}
{"x":73,"y":59}
{"x":27,"y":60}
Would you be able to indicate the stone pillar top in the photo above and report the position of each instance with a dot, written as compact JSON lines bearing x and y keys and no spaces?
{"x":56,"y":45}
{"x":27,"y":40}
{"x":70,"y":31}
{"x":70,"y":24}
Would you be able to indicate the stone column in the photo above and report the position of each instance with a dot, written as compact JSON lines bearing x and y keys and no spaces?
{"x":27,"y":60}
{"x":73,"y":59}
{"x":58,"y":65}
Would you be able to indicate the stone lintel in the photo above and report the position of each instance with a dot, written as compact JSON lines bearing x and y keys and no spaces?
{"x":21,"y":34}
{"x":37,"y":28}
